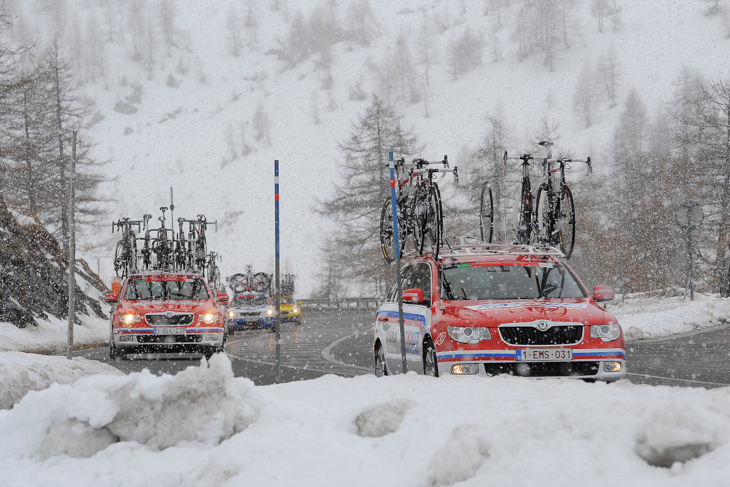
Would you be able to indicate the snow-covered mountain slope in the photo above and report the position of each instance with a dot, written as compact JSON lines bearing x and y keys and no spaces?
{"x":193,"y":116}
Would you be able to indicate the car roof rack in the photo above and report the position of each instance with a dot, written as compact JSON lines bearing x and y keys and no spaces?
{"x":153,"y":272}
{"x":473,"y":246}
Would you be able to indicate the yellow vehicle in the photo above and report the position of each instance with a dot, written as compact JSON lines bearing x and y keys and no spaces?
{"x":291,"y":310}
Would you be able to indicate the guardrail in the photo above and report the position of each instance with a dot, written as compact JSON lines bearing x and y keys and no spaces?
{"x":341,"y":304}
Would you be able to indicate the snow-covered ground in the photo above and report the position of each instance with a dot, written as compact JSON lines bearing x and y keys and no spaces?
{"x":205,"y":427}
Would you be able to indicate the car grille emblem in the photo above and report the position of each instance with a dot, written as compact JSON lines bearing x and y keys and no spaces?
{"x":542,"y":325}
{"x":169,"y":314}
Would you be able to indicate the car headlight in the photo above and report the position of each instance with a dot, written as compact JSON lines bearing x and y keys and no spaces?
{"x":231,"y":314}
{"x":468,"y":334}
{"x":608,"y":332}
{"x":295,"y":310}
{"x":269,"y":311}
{"x":209,"y":317}
{"x":129,"y":318}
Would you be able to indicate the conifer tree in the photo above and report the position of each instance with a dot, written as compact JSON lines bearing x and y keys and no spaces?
{"x":361,"y":190}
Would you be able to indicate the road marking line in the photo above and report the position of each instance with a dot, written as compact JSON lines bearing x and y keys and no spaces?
{"x":681,"y":380}
{"x":327,"y":353}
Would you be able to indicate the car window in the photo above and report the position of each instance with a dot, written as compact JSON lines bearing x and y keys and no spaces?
{"x":419,"y":278}
{"x":543,"y":280}
{"x":141,"y":289}
{"x":250,"y":301}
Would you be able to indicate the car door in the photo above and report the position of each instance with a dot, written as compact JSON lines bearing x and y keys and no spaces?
{"x":416,"y":319}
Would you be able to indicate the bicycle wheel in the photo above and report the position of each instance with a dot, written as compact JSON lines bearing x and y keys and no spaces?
{"x":486,"y":213}
{"x":214,"y":277}
{"x":437,"y":223}
{"x":120,"y":262}
{"x":428,"y":223}
{"x":387,"y":240}
{"x":565,"y":224}
{"x":524,"y":226}
{"x":545,"y":221}
{"x":133,"y":268}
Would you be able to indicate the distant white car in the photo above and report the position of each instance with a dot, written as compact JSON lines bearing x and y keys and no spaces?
{"x":251,"y":310}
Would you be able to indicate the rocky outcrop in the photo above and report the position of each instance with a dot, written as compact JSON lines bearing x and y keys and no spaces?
{"x":34,"y":277}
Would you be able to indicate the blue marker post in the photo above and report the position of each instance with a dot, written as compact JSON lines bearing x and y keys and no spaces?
{"x":276,"y":271}
{"x":401,"y":322}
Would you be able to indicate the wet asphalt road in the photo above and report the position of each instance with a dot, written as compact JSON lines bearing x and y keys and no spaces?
{"x":340,"y":342}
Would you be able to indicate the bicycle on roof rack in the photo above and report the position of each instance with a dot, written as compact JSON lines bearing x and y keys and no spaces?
{"x":555,"y":209}
{"x":125,"y":254}
{"x":420,"y":212}
{"x":249,"y":281}
{"x":548,"y":217}
{"x":214,"y":274}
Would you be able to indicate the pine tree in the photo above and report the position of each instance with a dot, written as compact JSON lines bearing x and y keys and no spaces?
{"x":362,"y":188}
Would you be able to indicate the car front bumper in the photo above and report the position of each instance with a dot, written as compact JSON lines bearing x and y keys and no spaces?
{"x":606,"y":365}
{"x":250,"y":322}
{"x":146,"y":339}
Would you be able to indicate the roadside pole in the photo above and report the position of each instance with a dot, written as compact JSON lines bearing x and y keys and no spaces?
{"x":276,"y":271}
{"x":690,"y":215}
{"x":401,"y":323}
{"x":71,"y":253}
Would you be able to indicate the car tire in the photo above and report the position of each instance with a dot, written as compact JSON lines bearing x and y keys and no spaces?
{"x":381,"y":369}
{"x":115,"y":353}
{"x":430,"y":361}
{"x":298,"y":322}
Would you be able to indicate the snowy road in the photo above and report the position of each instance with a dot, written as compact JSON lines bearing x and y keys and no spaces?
{"x":340,"y":343}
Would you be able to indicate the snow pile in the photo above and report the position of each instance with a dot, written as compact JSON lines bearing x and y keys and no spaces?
{"x":204,"y":427}
{"x":200,"y":404}
{"x":660,"y":314}
{"x":22,"y":372}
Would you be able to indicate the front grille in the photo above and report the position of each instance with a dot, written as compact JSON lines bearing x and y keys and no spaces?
{"x":162,"y":319}
{"x":529,"y":335}
{"x":250,"y":313}
{"x":543,"y":369}
{"x":169,"y":338}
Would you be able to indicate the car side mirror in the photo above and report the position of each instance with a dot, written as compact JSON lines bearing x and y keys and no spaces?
{"x":222,"y":298}
{"x":414,"y":296}
{"x":602,"y":293}
{"x":111,"y":298}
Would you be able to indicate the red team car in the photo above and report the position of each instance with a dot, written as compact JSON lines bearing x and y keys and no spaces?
{"x":165,"y":312}
{"x":489,"y":309}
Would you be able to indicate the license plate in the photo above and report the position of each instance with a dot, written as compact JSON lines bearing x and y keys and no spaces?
{"x":170,"y":330}
{"x":545,"y":355}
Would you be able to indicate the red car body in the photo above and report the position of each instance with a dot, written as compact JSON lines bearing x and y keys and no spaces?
{"x":493,"y":309}
{"x":160,"y":312}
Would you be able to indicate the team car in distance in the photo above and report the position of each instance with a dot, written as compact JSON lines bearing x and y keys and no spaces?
{"x":251,"y":310}
{"x":290,"y":310}
{"x":488,"y":309}
{"x":160,"y":312}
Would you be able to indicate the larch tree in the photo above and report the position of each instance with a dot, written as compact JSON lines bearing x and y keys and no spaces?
{"x":362,"y":188}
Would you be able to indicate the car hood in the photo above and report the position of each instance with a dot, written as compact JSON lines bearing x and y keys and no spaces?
{"x":494,"y":313}
{"x":250,"y":308}
{"x":144,"y":307}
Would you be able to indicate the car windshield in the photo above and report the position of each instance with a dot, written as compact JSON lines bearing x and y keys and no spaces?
{"x":141,"y":289}
{"x":287,"y":300}
{"x":250,"y":301}
{"x":534,"y":281}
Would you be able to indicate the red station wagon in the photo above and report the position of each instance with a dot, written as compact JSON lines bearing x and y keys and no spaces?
{"x":488,"y":309}
{"x":164,"y":312}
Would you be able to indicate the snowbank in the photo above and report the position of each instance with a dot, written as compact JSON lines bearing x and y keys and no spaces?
{"x":205,"y":427}
{"x":668,"y":312}
{"x":23,"y":372}
{"x":51,"y":334}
